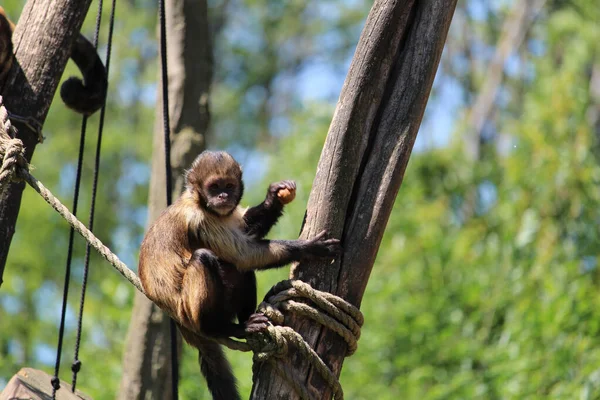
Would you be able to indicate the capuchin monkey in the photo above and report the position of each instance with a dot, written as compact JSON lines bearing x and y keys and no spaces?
{"x":197,"y":261}
{"x":83,"y":96}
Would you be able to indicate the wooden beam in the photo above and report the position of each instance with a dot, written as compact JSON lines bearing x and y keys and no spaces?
{"x":30,"y":383}
{"x":362,"y":164}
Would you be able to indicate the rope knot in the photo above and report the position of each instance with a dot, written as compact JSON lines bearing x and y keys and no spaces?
{"x":266,"y":345}
{"x":12,"y":151}
{"x":13,"y":159}
{"x":55,"y":382}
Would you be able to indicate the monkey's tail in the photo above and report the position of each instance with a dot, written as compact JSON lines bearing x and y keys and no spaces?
{"x":214,"y":366}
{"x":217,"y":370}
{"x":88,"y":95}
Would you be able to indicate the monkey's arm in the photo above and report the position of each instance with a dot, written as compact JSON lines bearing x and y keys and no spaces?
{"x":88,"y":95}
{"x":260,"y":219}
{"x":248,"y":254}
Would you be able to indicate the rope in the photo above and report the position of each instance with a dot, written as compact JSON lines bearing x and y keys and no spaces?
{"x":12,"y":151}
{"x":55,"y":381}
{"x":272,"y":346}
{"x":76,"y":365}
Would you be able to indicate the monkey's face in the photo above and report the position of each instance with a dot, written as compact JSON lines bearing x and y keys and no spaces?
{"x":221,"y":194}
{"x":215,"y":180}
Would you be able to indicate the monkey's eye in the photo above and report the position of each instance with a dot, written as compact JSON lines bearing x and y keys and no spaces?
{"x":213,"y":186}
{"x":229,"y":186}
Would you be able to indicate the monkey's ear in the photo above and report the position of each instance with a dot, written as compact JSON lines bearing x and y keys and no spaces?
{"x":191,"y":179}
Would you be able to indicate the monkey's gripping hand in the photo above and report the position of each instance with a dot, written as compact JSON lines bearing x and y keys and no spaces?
{"x":284,"y":192}
{"x":318,"y":247}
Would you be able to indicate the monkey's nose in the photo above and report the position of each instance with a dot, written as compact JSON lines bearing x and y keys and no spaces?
{"x":223,"y":196}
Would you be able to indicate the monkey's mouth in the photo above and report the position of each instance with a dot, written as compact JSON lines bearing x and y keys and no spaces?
{"x":222,"y":208}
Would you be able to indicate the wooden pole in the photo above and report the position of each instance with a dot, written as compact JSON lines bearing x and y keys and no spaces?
{"x":146,"y":362}
{"x":42,"y":41}
{"x":362,"y":165}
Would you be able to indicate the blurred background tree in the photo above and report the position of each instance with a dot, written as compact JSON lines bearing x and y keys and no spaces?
{"x":487,"y":279}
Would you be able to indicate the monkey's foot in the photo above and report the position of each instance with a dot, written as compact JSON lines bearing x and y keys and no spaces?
{"x":257,"y":322}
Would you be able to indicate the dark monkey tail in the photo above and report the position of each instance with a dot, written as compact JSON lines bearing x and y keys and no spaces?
{"x":88,"y":95}
{"x":214,"y":366}
{"x":217,"y":372}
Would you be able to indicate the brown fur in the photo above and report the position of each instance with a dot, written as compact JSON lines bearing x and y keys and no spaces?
{"x":6,"y":47}
{"x":197,"y":259}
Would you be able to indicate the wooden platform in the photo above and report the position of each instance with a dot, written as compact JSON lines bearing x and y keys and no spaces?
{"x":32,"y":384}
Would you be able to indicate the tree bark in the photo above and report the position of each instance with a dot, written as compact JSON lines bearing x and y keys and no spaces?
{"x":146,"y":363}
{"x":42,"y":42}
{"x":362,"y":165}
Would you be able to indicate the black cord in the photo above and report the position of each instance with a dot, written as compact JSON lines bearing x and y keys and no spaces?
{"x":76,"y":366}
{"x":61,"y":331}
{"x":55,"y":381}
{"x":165,"y":97}
{"x":167,"y":141}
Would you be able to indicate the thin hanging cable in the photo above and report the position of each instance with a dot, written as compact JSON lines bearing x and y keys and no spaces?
{"x":55,"y":381}
{"x":165,"y":98}
{"x":76,"y":366}
{"x":167,"y":141}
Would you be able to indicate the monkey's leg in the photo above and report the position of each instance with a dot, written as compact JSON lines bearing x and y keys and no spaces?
{"x":200,"y":292}
{"x":261,"y":218}
{"x":247,"y":301}
{"x":208,"y":308}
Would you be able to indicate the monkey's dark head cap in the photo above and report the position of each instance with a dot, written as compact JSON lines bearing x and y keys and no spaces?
{"x":210,"y":163}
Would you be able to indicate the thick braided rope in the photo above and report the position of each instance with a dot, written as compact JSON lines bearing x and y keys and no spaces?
{"x":15,"y":167}
{"x":272,"y":346}
{"x":11,"y":150}
{"x":344,"y":319}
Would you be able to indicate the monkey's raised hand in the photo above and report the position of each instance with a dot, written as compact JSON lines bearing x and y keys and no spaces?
{"x":284,"y":191}
{"x":260,"y":219}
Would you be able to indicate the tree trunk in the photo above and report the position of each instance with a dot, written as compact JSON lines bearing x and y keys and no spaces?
{"x":362,"y":165}
{"x":42,"y":47}
{"x":146,"y":363}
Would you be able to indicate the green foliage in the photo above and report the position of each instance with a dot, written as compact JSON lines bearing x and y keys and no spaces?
{"x":502,"y":304}
{"x":486,"y":280}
